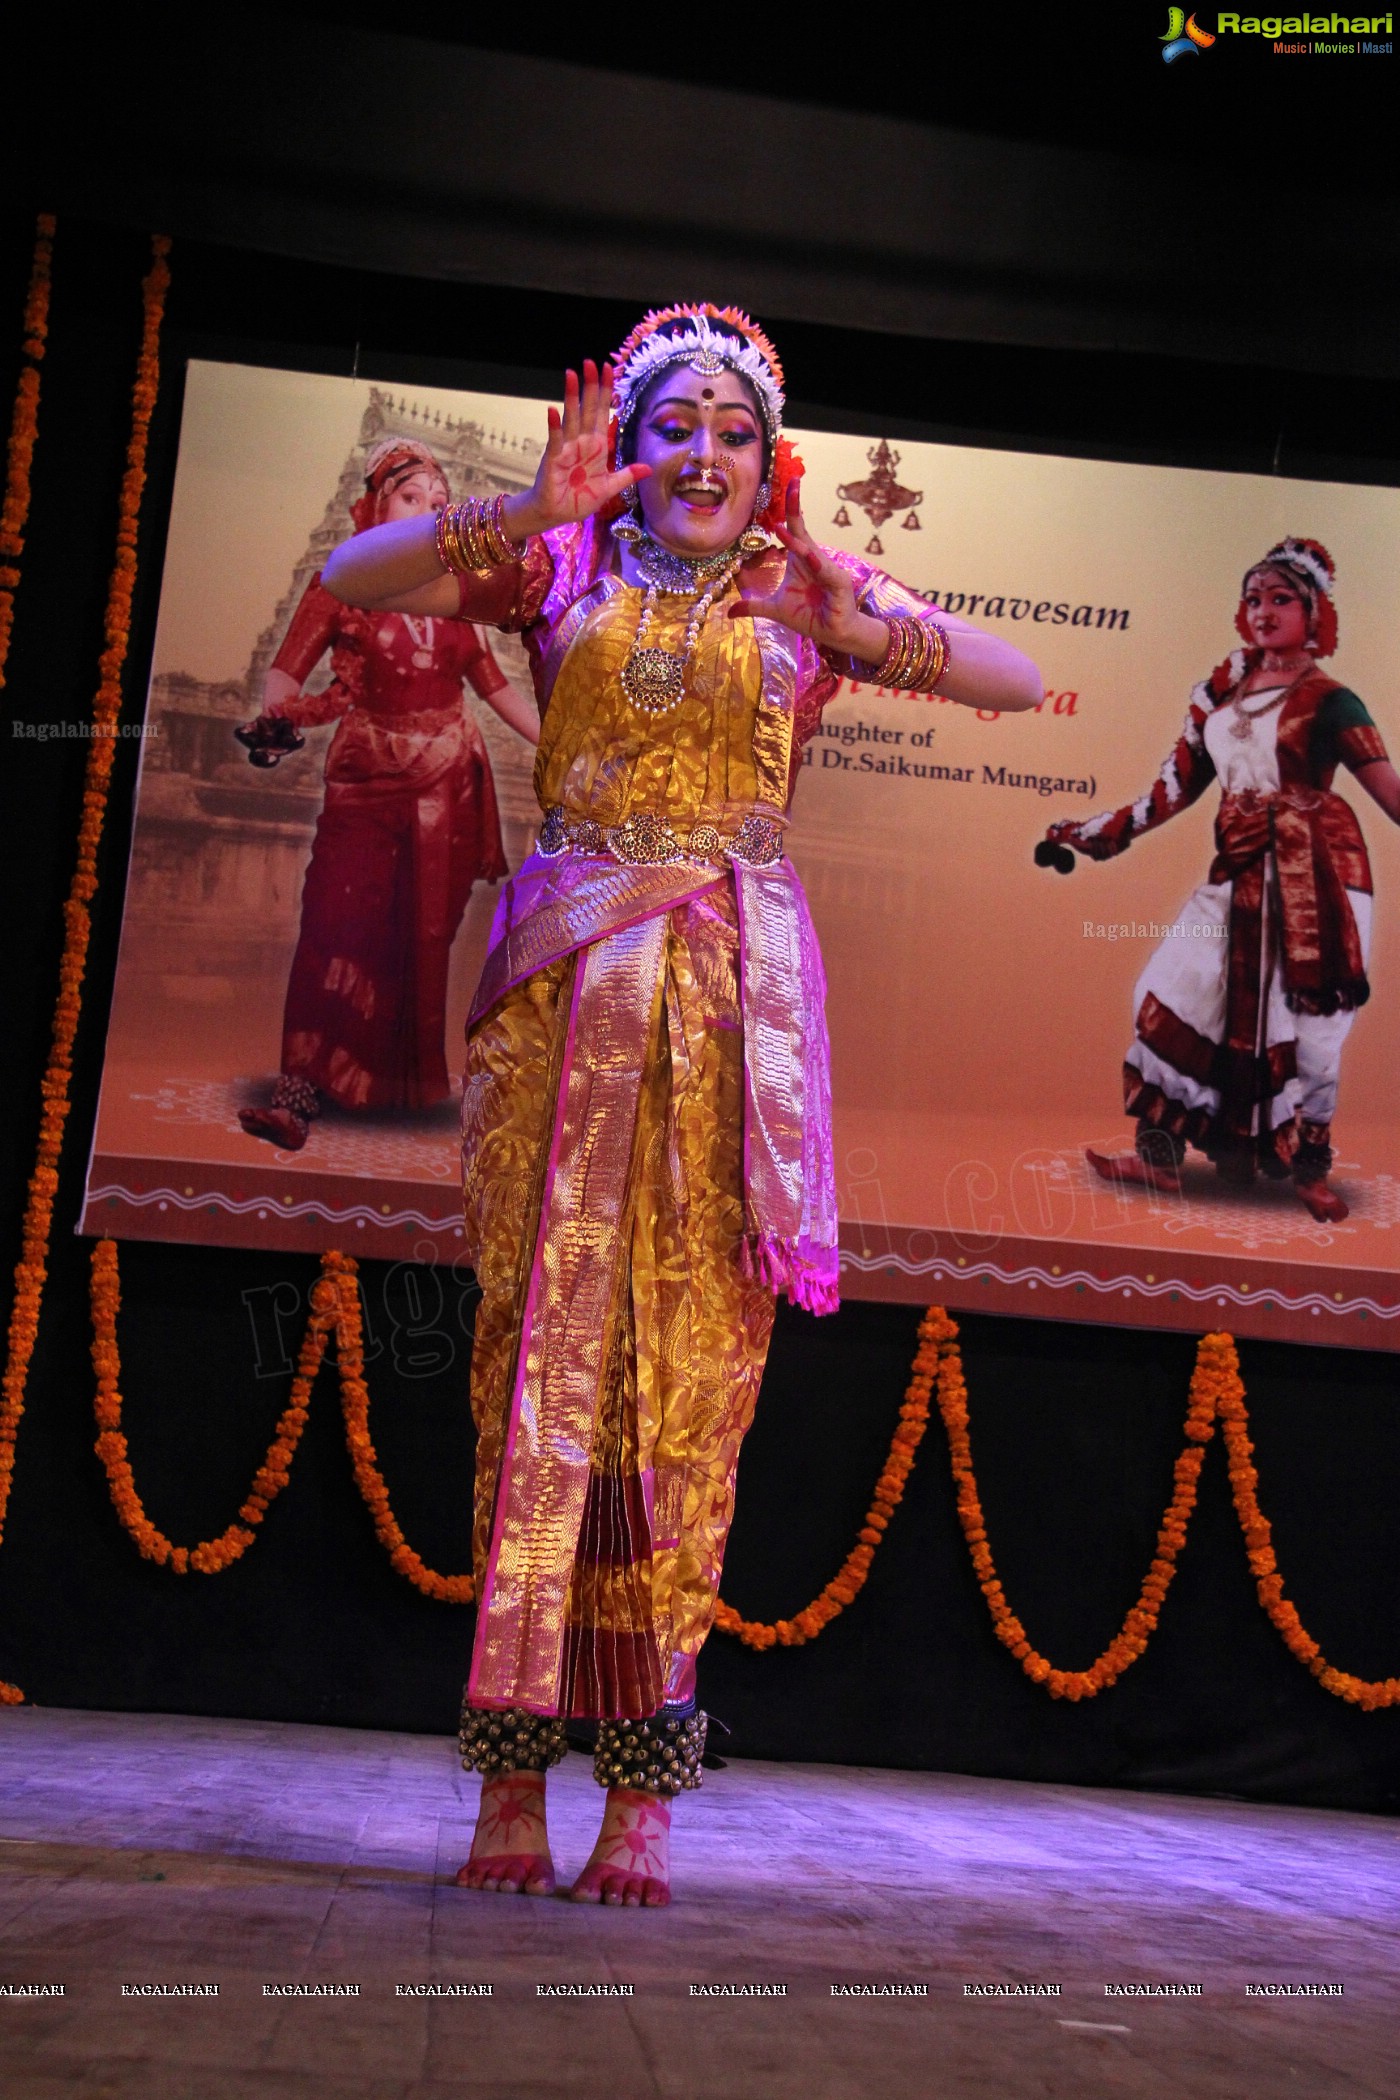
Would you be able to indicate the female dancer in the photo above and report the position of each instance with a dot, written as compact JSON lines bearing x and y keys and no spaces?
{"x":407,"y":825}
{"x":646,"y":1115}
{"x":1243,"y":1010}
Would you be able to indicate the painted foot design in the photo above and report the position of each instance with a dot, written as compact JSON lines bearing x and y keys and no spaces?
{"x":1323,"y":1201}
{"x":1139,"y":1173}
{"x":631,"y":1862}
{"x":510,"y":1851}
{"x":278,"y":1125}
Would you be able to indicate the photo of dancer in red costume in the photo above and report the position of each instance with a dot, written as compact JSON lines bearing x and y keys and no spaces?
{"x":1241,"y":1014}
{"x":408,"y":824}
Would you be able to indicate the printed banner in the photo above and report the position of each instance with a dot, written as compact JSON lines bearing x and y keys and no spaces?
{"x":981,"y":1005}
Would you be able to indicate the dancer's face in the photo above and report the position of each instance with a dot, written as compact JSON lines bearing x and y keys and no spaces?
{"x":413,"y":497}
{"x":702,"y":438}
{"x":1274,"y":613}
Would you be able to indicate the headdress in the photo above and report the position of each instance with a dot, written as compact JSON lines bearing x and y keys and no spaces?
{"x":390,"y":460}
{"x":684,"y":335}
{"x":1311,"y":570}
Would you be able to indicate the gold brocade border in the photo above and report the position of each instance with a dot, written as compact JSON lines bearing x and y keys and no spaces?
{"x":31,"y":1271}
{"x":24,"y":429}
{"x":1216,"y":1394}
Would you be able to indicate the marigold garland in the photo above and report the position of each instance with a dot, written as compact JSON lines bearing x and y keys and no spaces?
{"x":1216,"y":1393}
{"x":354,"y":1397}
{"x":936,"y":1332}
{"x":24,"y":429}
{"x":213,"y":1555}
{"x":335,"y":1310}
{"x":31,"y":1271}
{"x":1370,"y":1694}
{"x":1132,"y":1637}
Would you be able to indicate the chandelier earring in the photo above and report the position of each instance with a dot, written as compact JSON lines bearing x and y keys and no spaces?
{"x":628,"y":529}
{"x":755,"y":539}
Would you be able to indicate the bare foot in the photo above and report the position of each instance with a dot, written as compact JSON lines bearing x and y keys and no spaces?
{"x":631,"y":1862}
{"x":278,"y":1125}
{"x":1126,"y":1166}
{"x":510,"y":1851}
{"x":1323,"y":1201}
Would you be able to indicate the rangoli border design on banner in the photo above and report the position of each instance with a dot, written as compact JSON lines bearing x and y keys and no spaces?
{"x":274,"y":1207}
{"x":1264,"y":1306}
{"x":942,"y":1270}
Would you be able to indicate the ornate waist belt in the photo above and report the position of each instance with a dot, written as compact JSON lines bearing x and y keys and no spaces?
{"x":647,"y":840}
{"x":415,"y":718}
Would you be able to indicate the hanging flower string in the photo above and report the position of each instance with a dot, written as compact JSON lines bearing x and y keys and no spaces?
{"x":335,"y":1310}
{"x":24,"y":430}
{"x":213,"y":1555}
{"x":354,"y":1400}
{"x":31,"y":1271}
{"x":935,"y":1333}
{"x":1132,"y":1637}
{"x":1370,"y":1694}
{"x":1216,"y":1393}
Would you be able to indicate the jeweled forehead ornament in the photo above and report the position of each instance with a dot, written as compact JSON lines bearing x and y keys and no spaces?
{"x":737,"y":344}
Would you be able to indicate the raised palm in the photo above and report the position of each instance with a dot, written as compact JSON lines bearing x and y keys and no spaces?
{"x":573,"y":480}
{"x":816,"y":597}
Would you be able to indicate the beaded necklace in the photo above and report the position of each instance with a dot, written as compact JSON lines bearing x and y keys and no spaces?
{"x":1242,"y":725}
{"x":654,"y":679}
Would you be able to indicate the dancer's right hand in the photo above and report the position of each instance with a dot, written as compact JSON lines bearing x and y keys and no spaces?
{"x":1070,"y":832}
{"x":573,"y":480}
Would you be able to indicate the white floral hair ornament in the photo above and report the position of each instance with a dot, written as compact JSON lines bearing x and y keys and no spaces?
{"x":736,"y":344}
{"x":1306,"y":555}
{"x":1313,"y":574}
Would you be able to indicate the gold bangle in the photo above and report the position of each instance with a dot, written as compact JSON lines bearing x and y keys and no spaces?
{"x":456,"y":544}
{"x":943,"y":655}
{"x":503,"y":547}
{"x":893,"y":668}
{"x":918,"y":656}
{"x":472,"y":535}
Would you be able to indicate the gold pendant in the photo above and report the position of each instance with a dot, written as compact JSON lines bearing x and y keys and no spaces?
{"x":1242,"y":728}
{"x":653,"y":680}
{"x":422,"y":659}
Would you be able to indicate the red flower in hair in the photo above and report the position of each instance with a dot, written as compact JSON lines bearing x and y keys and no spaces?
{"x":787,"y":467}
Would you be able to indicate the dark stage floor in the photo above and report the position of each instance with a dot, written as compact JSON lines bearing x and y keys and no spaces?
{"x":146,"y":1850}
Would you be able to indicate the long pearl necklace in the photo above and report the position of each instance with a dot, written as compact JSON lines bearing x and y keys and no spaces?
{"x":654,"y":679}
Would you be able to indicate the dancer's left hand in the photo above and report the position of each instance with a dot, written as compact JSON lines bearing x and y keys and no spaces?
{"x":816,"y":597}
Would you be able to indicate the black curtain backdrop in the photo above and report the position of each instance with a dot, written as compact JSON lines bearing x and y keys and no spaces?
{"x":1074,"y":1428}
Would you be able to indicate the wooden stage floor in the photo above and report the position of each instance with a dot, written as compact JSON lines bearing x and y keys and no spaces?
{"x":141,"y":1850}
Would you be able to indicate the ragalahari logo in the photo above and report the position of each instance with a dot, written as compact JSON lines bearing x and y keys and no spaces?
{"x":1183,"y":35}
